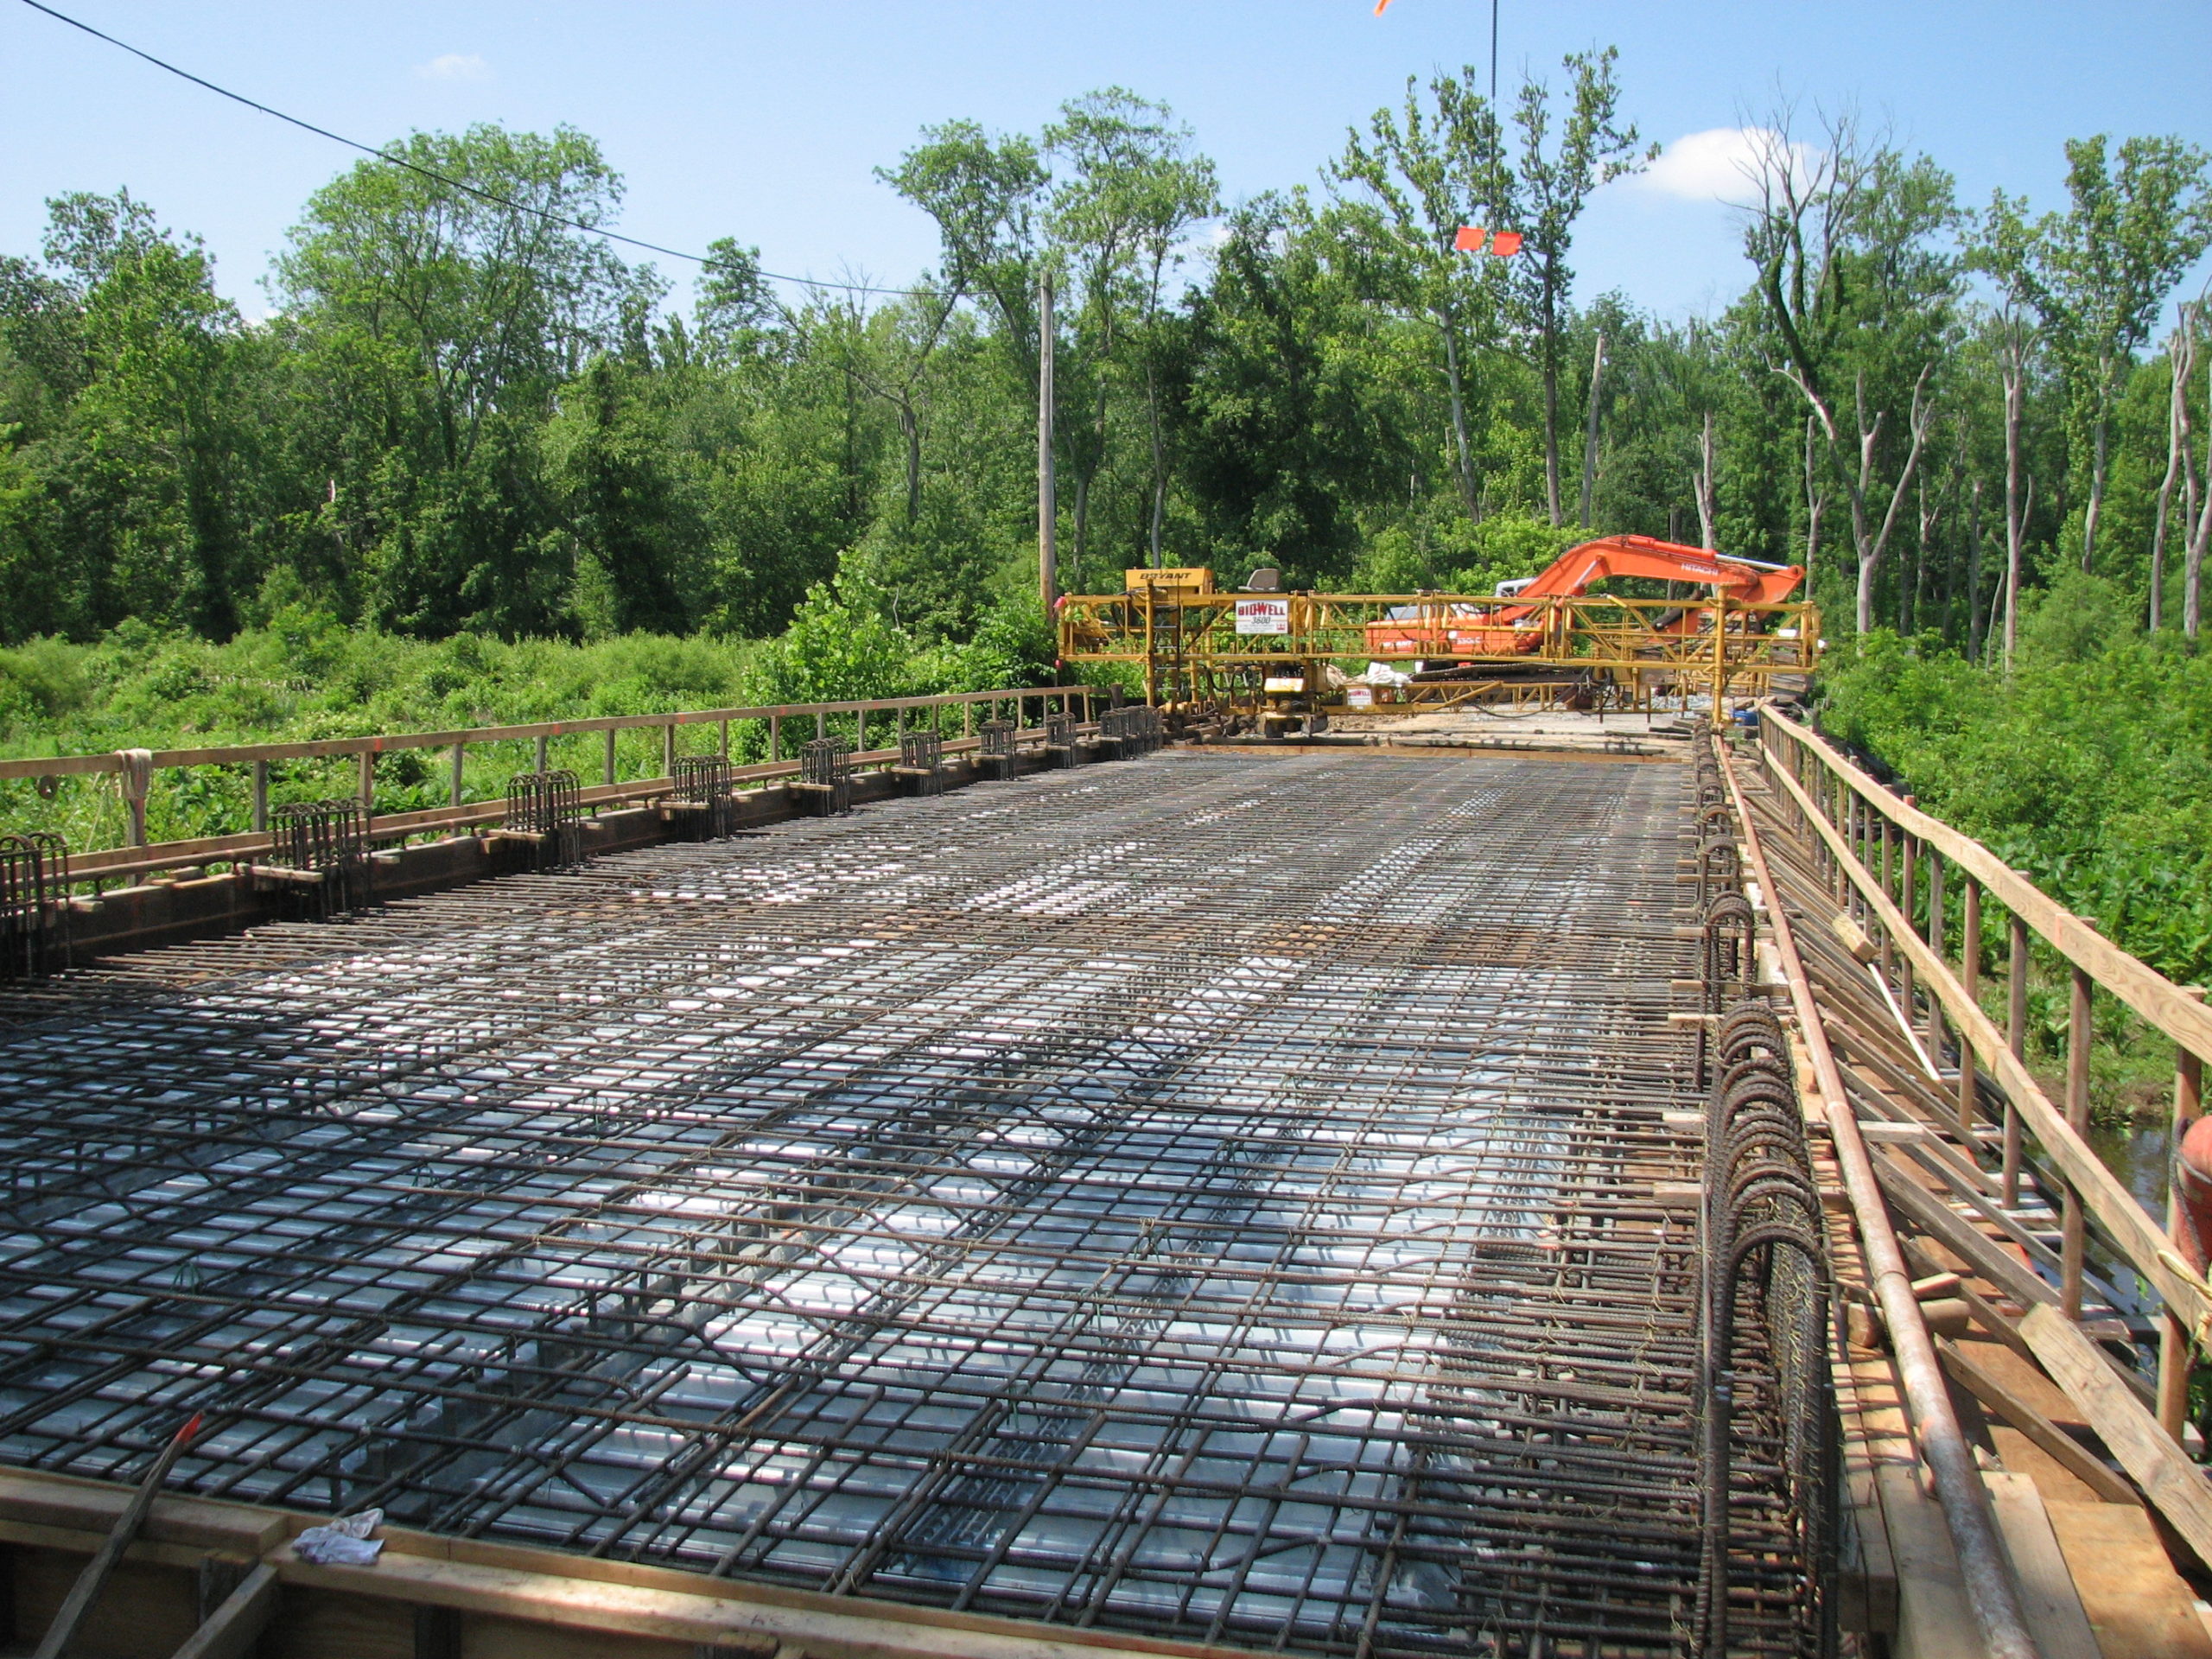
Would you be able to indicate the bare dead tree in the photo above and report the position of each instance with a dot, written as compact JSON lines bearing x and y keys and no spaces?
{"x":2199,"y":518}
{"x":1974,"y":635}
{"x":1799,"y":230}
{"x":2012,"y":357}
{"x":1701,"y":482}
{"x":2181,"y":355}
{"x":1816,"y":498}
{"x":1870,"y":540}
{"x":1590,"y":431}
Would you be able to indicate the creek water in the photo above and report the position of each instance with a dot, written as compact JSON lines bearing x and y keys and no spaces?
{"x":2138,"y":1153}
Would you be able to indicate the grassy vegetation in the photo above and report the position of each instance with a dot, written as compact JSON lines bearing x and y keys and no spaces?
{"x":2088,"y":767}
{"x":305,"y":675}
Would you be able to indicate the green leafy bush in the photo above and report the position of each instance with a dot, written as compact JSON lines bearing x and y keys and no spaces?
{"x":2088,"y":767}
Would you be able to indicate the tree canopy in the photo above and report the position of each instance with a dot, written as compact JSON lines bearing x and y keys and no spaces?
{"x":466,"y":413}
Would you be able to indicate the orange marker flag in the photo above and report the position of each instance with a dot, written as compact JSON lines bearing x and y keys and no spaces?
{"x":1469,"y":239}
{"x":1505,"y":244}
{"x":1380,"y":5}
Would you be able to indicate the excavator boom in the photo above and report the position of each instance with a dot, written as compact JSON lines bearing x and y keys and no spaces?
{"x":1504,"y":629}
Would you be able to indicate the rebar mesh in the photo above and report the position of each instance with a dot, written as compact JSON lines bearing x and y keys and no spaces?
{"x":549,"y":806}
{"x":327,"y":840}
{"x":704,"y":797}
{"x":825,"y":773}
{"x":1217,"y":1197}
{"x":33,"y":904}
{"x":921,"y":760}
{"x":997,"y":747}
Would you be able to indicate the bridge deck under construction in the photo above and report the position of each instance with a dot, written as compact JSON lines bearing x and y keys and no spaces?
{"x":1228,"y":1197}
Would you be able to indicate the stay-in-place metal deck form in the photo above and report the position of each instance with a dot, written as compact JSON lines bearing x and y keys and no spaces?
{"x":1225,"y":1197}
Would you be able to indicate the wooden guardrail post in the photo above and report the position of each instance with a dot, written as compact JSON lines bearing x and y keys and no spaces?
{"x":543,"y":756}
{"x":1970,"y":960}
{"x":459,"y":766}
{"x":1907,"y":893}
{"x":1890,"y":893}
{"x":607,"y":770}
{"x":1936,"y":931}
{"x":368,"y":786}
{"x":2016,"y":1039}
{"x":260,"y":798}
{"x":2072,"y":1235}
{"x":2174,"y":1356}
{"x":668,"y":749}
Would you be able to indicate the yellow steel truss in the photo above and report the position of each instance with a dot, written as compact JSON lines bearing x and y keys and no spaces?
{"x":1188,"y":643}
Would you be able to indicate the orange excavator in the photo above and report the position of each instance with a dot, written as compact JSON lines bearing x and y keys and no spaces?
{"x":1514,"y":627}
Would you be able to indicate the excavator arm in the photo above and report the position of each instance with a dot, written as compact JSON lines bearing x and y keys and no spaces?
{"x":1502,"y":629}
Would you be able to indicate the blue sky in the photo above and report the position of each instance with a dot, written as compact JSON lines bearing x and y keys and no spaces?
{"x":764,"y":121}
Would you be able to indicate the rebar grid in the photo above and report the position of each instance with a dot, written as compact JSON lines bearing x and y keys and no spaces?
{"x":1214,"y":1195}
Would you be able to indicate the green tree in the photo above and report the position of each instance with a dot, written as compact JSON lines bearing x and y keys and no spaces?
{"x":1552,"y":191}
{"x":125,"y":499}
{"x":1405,"y":191}
{"x":1860,"y":296}
{"x":1135,"y":188}
{"x":440,"y":305}
{"x":2099,"y":274}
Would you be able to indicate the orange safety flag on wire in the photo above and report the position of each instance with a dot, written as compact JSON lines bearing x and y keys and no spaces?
{"x":1470,"y":240}
{"x":1380,"y":5}
{"x":1505,"y":244}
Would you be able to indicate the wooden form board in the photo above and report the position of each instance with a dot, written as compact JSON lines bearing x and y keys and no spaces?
{"x":607,"y":1608}
{"x":2135,"y":1602}
{"x":2175,"y":1487}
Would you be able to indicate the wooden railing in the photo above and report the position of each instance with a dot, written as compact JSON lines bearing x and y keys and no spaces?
{"x":1891,"y":866}
{"x":135,"y":770}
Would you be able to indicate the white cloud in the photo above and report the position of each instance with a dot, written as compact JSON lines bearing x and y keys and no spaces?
{"x":454,"y":66}
{"x":1720,"y":163}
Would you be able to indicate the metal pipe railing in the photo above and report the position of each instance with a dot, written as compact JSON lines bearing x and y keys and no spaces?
{"x":1984,"y":1567}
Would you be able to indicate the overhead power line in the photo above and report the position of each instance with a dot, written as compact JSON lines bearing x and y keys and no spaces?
{"x":705,"y":261}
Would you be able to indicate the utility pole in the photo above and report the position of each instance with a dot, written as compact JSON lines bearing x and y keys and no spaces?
{"x":1047,"y":506}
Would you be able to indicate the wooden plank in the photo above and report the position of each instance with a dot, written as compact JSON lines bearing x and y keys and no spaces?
{"x":1934,"y":1618}
{"x":2135,"y":1601}
{"x":741,"y":1626}
{"x":2047,"y":1593}
{"x":1962,"y":1237}
{"x":2175,"y":1487}
{"x":148,"y":1611}
{"x":38,"y":1499}
{"x":2062,"y":1447}
{"x":2158,"y":999}
{"x":232,"y":1629}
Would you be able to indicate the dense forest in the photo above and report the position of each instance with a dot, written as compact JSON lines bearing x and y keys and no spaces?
{"x":476,"y":464}
{"x":466,"y":413}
